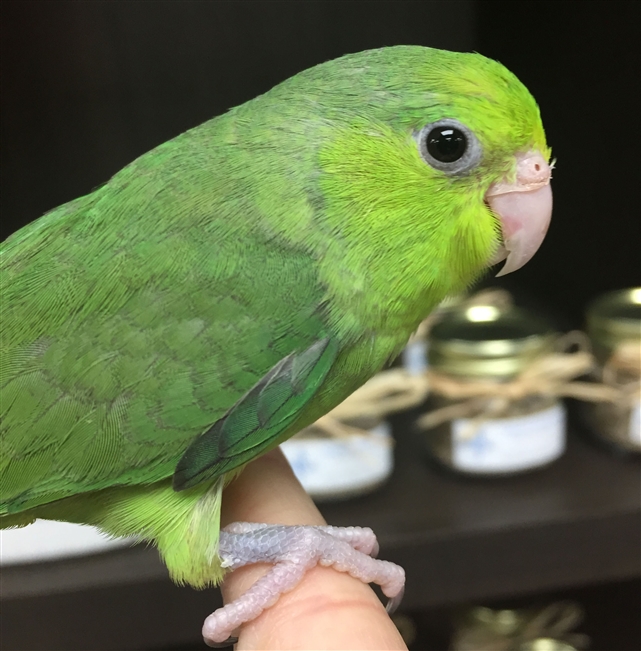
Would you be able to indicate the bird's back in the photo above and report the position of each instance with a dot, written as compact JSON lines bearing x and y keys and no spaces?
{"x":133,"y":318}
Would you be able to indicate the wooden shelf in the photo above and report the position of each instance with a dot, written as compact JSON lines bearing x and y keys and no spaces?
{"x":574,"y":523}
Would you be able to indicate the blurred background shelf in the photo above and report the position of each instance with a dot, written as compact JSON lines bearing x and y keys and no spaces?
{"x":87,"y":87}
{"x":575,"y":523}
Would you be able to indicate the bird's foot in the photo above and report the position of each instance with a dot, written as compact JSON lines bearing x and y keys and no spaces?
{"x":293,"y":550}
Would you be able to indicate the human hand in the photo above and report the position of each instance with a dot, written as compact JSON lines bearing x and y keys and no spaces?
{"x":328,"y":609}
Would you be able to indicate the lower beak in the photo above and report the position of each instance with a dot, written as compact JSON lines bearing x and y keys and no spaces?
{"x":524,"y":209}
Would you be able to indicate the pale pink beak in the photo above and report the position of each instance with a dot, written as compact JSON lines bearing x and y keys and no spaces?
{"x":524,"y":208}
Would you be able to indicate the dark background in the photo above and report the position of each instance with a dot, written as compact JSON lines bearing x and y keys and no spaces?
{"x":88,"y":86}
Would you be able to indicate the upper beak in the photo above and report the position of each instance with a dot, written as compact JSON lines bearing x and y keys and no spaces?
{"x":524,"y":208}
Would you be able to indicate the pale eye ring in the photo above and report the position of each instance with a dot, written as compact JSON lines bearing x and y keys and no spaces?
{"x":449,"y":146}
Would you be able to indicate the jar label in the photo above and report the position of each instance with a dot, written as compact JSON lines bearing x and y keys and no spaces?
{"x":509,"y":444}
{"x":325,"y":466}
{"x":635,"y":424}
{"x":415,"y":357}
{"x":47,"y":540}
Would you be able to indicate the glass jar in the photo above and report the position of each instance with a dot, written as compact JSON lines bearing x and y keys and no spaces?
{"x":414,"y":355}
{"x":614,"y":328}
{"x":548,"y":628}
{"x":481,"y":351}
{"x":341,"y":465}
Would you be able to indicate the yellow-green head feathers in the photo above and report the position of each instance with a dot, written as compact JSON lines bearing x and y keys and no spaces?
{"x":413,"y":232}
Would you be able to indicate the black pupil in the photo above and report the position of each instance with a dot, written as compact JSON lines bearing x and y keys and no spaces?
{"x":446,"y":144}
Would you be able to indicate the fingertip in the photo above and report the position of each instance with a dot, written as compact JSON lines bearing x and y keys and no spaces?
{"x":327,"y":610}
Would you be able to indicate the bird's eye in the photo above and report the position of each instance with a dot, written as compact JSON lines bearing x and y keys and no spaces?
{"x":446,"y":144}
{"x":449,"y":146}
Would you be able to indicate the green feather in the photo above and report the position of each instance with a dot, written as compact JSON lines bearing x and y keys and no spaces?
{"x":236,"y":283}
{"x":260,"y":418}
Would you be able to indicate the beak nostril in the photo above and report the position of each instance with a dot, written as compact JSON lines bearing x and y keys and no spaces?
{"x":537,"y":167}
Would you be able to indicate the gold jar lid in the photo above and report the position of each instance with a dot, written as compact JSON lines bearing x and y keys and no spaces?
{"x":615,"y":318}
{"x":488,"y":341}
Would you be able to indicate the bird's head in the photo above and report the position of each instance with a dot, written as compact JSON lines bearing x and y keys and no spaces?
{"x":424,"y":167}
{"x":432,"y":144}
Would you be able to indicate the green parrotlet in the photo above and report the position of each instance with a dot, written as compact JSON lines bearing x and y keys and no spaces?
{"x":231,"y":286}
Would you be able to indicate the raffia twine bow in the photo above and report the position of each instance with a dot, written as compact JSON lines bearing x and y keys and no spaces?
{"x":386,"y":393}
{"x":623,"y":369}
{"x":395,"y":390}
{"x":552,"y":375}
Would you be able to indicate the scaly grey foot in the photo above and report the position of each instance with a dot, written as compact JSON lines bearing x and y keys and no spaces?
{"x":293,"y":550}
